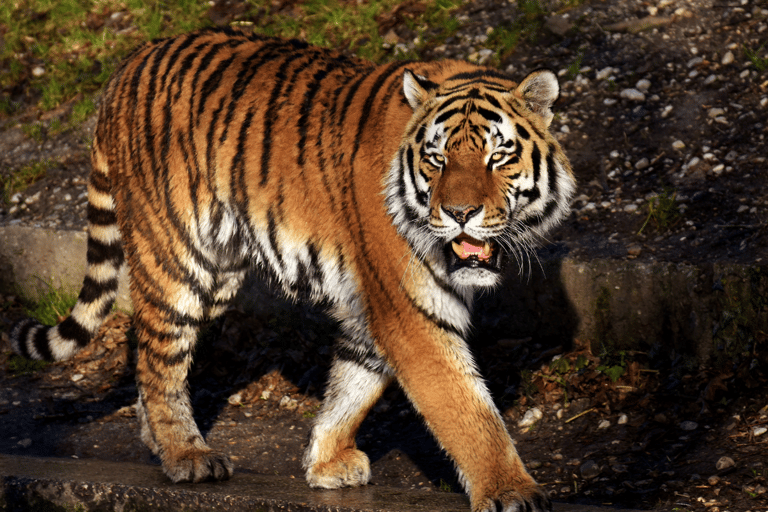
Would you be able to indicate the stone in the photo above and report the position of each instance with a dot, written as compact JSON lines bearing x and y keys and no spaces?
{"x":604,"y":73}
{"x":724,"y":463}
{"x":678,"y":145}
{"x":689,"y":425}
{"x":632,"y":95}
{"x":643,"y":85}
{"x":559,"y":25}
{"x":531,"y":416}
{"x":727,"y":58}
{"x":589,"y":470}
{"x":603,"y":424}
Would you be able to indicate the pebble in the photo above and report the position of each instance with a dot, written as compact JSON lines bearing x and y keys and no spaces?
{"x":609,"y":102}
{"x":678,"y":144}
{"x":632,"y":250}
{"x":724,"y":463}
{"x":643,"y":85}
{"x":642,"y":164}
{"x":288,"y":403}
{"x":589,"y":470}
{"x":25,"y":443}
{"x":758,"y":431}
{"x":689,"y":425}
{"x":666,"y":111}
{"x":715,"y":112}
{"x":622,"y":419}
{"x":531,"y":416}
{"x":630,"y":208}
{"x":632,"y":94}
{"x":38,"y":71}
{"x":235,"y":399}
{"x":713,"y":480}
{"x":603,"y":424}
{"x":604,"y":73}
{"x":727,"y":58}
{"x":77,"y":377}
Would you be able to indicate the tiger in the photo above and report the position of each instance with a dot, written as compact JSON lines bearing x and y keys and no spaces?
{"x":388,"y":193}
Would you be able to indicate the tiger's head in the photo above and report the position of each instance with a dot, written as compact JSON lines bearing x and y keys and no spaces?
{"x":478,"y":176}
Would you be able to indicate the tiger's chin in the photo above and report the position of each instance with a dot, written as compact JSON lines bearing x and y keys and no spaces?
{"x":474,"y":263}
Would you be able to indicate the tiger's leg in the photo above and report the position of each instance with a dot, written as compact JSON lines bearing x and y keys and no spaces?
{"x":443,"y":383}
{"x":332,"y":459}
{"x":167,"y":335}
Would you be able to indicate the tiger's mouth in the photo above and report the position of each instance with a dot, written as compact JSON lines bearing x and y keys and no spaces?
{"x":467,"y":252}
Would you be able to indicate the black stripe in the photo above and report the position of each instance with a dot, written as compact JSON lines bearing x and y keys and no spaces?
{"x":21,"y":331}
{"x":71,"y":329}
{"x":272,"y":236}
{"x":493,"y":101}
{"x":552,"y":172}
{"x":100,"y":217}
{"x":489,"y":115}
{"x":98,"y":252}
{"x":94,"y":290}
{"x":447,"y":115}
{"x":271,"y":114}
{"x":212,"y":83}
{"x":536,"y":161}
{"x":100,"y":182}
{"x":537,"y":220}
{"x":306,"y":107}
{"x":41,"y":344}
{"x":522,"y":132}
{"x":420,"y":134}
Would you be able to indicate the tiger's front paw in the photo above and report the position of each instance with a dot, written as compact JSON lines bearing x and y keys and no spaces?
{"x":529,"y":498}
{"x":197,"y":465}
{"x":349,"y":468}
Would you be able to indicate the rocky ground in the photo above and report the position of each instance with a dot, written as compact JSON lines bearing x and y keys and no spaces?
{"x":664,"y":117}
{"x":662,"y":436}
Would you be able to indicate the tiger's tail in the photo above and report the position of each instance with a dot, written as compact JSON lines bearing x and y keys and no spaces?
{"x":34,"y":340}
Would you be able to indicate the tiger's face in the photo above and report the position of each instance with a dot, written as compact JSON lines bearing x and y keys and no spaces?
{"x":478,"y":177}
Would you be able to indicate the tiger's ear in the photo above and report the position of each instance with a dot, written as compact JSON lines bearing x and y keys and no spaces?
{"x":539,"y":90}
{"x":416,"y":88}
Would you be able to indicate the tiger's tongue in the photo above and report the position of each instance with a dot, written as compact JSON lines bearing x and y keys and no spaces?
{"x":464,"y":247}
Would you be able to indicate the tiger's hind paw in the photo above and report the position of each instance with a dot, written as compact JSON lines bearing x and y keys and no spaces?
{"x":197,"y":466}
{"x":350,"y":468}
{"x":529,"y":499}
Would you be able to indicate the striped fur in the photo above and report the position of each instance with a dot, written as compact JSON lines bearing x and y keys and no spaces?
{"x":391,"y":193}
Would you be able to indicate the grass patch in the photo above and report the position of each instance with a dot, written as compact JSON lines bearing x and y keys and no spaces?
{"x":18,"y":365}
{"x":20,"y":179}
{"x":662,"y":210}
{"x":504,"y":39}
{"x":760,"y":63}
{"x":53,"y":306}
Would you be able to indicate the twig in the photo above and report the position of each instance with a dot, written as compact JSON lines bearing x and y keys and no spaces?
{"x":581,"y":414}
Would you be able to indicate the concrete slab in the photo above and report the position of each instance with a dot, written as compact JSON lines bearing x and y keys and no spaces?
{"x":95,"y":485}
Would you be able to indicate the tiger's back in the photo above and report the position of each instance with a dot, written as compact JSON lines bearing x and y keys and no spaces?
{"x":389,"y":192}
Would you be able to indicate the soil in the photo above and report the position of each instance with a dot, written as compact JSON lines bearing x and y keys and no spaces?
{"x":695,"y":138}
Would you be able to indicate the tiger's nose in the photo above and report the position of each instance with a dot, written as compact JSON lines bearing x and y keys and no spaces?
{"x":462,"y":213}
